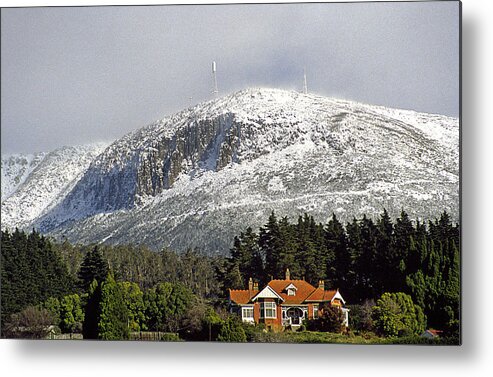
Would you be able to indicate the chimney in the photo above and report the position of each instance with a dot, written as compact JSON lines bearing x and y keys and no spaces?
{"x":321,"y":284}
{"x":255,"y":286}
{"x":250,"y":284}
{"x":288,"y":275}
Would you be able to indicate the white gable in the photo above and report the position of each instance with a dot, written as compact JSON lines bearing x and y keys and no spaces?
{"x":338,"y":295}
{"x":267,"y":292}
{"x":291,"y":286}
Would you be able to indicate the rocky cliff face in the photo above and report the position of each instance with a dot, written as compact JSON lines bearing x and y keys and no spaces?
{"x":198,"y":177}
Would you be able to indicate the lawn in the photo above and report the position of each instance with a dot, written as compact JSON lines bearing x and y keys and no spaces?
{"x":325,"y":337}
{"x":365,"y":338}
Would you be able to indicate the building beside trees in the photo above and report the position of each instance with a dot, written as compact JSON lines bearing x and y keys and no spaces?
{"x":284,"y":302}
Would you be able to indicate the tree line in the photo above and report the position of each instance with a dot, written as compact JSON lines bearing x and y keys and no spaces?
{"x":93,"y":302}
{"x":166,"y":291}
{"x":31,"y":272}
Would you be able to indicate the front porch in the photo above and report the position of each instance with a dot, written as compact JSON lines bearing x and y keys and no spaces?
{"x":294,"y":316}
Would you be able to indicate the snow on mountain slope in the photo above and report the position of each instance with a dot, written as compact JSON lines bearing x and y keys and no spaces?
{"x":15,"y":169}
{"x":47,"y":184}
{"x":197,"y":178}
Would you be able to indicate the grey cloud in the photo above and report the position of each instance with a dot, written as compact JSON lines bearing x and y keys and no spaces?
{"x":77,"y":75}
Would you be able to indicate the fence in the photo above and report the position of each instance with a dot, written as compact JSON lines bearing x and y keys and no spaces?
{"x":153,"y":336}
{"x":136,"y":335}
{"x":71,"y":336}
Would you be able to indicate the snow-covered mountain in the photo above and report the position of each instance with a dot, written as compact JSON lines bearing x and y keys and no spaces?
{"x":197,"y":178}
{"x":46,"y":180}
{"x":15,"y":169}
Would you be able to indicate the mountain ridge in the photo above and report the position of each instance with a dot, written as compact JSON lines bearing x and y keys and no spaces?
{"x":47,"y":183}
{"x":221,"y":165}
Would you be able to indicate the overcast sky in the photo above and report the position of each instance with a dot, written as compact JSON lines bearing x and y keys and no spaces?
{"x":78,"y":75}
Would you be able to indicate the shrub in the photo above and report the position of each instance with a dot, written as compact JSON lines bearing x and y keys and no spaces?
{"x":202,"y":323}
{"x":361,"y":316}
{"x":331,"y":319}
{"x":170,"y":337}
{"x":396,"y":315}
{"x":30,"y":323}
{"x":265,"y":336}
{"x":254,"y":332}
{"x":232,"y":331}
{"x":71,"y":314}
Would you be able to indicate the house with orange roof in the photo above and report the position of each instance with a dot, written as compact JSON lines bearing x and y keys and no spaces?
{"x":283,"y":303}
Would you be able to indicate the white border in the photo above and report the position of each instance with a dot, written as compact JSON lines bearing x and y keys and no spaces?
{"x":473,"y":358}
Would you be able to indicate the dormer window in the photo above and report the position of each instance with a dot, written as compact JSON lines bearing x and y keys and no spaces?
{"x":291,"y":290}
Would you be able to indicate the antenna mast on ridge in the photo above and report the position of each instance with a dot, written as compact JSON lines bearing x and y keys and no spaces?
{"x":305,"y":88}
{"x":214,"y":80}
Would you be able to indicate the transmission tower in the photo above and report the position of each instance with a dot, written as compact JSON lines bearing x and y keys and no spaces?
{"x":214,"y":80}
{"x":305,"y":87}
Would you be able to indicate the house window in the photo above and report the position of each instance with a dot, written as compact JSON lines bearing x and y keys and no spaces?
{"x":247,"y":313}
{"x":268,"y":310}
{"x":315,"y":312}
{"x":291,"y":292}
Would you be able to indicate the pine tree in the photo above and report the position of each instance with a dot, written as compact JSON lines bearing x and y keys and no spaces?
{"x":354,"y":292}
{"x":307,"y":254}
{"x":240,"y":261}
{"x":94,"y":266}
{"x":246,"y":258}
{"x":384,"y":258}
{"x":255,"y":269}
{"x":418,"y":288}
{"x":10,"y":280}
{"x":270,"y":246}
{"x":92,"y":311}
{"x":336,"y":242}
{"x":323,"y":256}
{"x":452,"y":286}
{"x":233,"y":277}
{"x":286,"y":256}
{"x":366,"y":268}
{"x":403,"y":235}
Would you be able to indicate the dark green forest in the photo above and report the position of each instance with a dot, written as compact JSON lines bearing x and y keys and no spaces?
{"x":108,"y":292}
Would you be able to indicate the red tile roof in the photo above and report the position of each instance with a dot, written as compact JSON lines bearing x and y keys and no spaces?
{"x":321,"y":295}
{"x":241,"y":296}
{"x":435,"y":332}
{"x":303,"y":290}
{"x":305,"y":293}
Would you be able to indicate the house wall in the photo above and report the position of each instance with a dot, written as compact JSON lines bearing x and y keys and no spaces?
{"x":256,"y":312}
{"x":310,"y":311}
{"x":274,"y":323}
